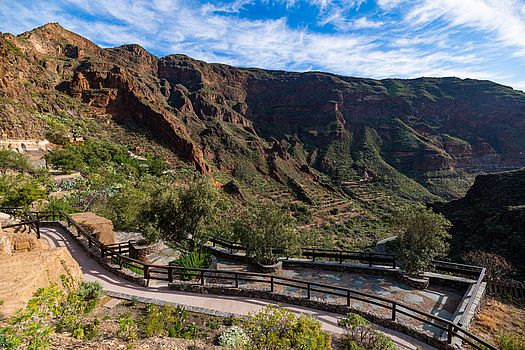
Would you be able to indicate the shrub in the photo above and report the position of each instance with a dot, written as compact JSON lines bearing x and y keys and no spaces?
{"x":13,"y":160}
{"x":59,"y":204}
{"x":234,"y":337}
{"x":90,"y":290}
{"x":268,"y":232}
{"x":360,"y":334}
{"x":277,"y":328}
{"x":497,"y":267}
{"x":198,"y":259}
{"x":422,"y":236}
{"x":127,"y":328}
{"x":20,"y":190}
{"x":168,"y":321}
{"x":511,"y":341}
{"x":31,"y":327}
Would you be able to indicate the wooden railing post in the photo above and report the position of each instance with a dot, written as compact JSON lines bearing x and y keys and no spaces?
{"x":202,"y":278}
{"x":308,"y":291}
{"x":146,"y":274}
{"x":313,"y":254}
{"x":348,"y":298}
{"x":121,"y":262}
{"x":394,"y":306}
{"x":340,"y":257}
{"x":450,"y":332}
{"x":170,"y":274}
{"x":38,"y":227}
{"x":236,"y":280}
{"x":271,"y":284}
{"x":370,"y":259}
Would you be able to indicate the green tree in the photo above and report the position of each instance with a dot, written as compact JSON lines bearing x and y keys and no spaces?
{"x":181,"y":214}
{"x":20,"y":190}
{"x":422,"y":235}
{"x":12,"y":160}
{"x":268,"y":232}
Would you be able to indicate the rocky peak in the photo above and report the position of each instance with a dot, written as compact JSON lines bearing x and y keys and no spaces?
{"x":53,"y":39}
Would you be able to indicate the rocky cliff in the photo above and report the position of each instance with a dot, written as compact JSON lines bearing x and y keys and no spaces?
{"x":418,"y":137}
{"x":491,"y":217}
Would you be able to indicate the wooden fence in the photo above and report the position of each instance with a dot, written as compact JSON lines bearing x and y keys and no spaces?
{"x":514,"y":290}
{"x":116,"y":252}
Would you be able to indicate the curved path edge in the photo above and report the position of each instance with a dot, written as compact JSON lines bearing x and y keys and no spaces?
{"x":223,"y":306}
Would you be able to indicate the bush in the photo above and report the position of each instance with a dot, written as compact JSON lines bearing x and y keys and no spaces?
{"x":90,"y":290}
{"x":234,"y":337}
{"x":198,"y":259}
{"x":20,"y":190}
{"x":510,"y":341}
{"x":422,"y":236}
{"x":13,"y":160}
{"x":48,"y":310}
{"x":59,"y":204}
{"x":168,"y":321}
{"x":277,"y":328}
{"x":360,"y":335}
{"x":179,"y":215}
{"x":268,"y":232}
{"x":497,"y":267}
{"x":127,"y":328}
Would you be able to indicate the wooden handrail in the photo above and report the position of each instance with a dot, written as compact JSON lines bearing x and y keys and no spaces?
{"x":309,"y":287}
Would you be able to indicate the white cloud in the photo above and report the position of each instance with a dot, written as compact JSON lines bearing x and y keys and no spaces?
{"x":502,"y":18}
{"x":217,"y":32}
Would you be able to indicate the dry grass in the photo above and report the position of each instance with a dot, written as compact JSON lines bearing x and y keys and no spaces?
{"x":497,"y":317}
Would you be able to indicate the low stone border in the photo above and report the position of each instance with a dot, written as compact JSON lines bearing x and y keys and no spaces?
{"x":196,"y":309}
{"x":140,"y":252}
{"x":414,"y":282}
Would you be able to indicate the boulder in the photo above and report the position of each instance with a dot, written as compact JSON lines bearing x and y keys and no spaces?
{"x":100,"y":227}
{"x":12,"y":242}
{"x":28,"y":263}
{"x":7,"y":219}
{"x":22,"y":273}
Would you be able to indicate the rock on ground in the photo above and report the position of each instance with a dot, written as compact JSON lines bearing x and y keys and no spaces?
{"x":101,"y":228}
{"x":28,"y":263}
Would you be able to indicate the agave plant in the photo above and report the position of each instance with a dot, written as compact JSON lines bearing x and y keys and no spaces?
{"x":197,"y":259}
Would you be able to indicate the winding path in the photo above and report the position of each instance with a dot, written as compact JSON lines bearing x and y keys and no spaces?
{"x":206,"y":303}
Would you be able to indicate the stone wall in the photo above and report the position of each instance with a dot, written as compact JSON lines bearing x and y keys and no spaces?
{"x":141,"y":252}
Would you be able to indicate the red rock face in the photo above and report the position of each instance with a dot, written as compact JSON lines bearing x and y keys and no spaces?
{"x":212,"y":113}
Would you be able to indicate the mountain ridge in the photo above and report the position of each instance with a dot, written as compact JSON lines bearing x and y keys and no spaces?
{"x":424,"y":138}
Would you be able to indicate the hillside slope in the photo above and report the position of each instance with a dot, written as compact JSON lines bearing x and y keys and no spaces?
{"x":320,"y":138}
{"x":491,"y":216}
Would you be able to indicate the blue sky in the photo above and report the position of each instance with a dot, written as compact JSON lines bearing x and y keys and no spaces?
{"x":482,"y":39}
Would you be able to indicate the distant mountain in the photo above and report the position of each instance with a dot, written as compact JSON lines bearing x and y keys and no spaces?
{"x":420,"y":139}
{"x":491,"y":217}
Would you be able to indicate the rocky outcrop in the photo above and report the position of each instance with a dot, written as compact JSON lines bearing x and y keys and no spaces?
{"x":491,"y":217}
{"x":28,"y":263}
{"x":100,"y":227}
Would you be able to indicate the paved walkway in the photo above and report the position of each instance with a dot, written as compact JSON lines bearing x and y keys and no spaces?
{"x":223,"y":304}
